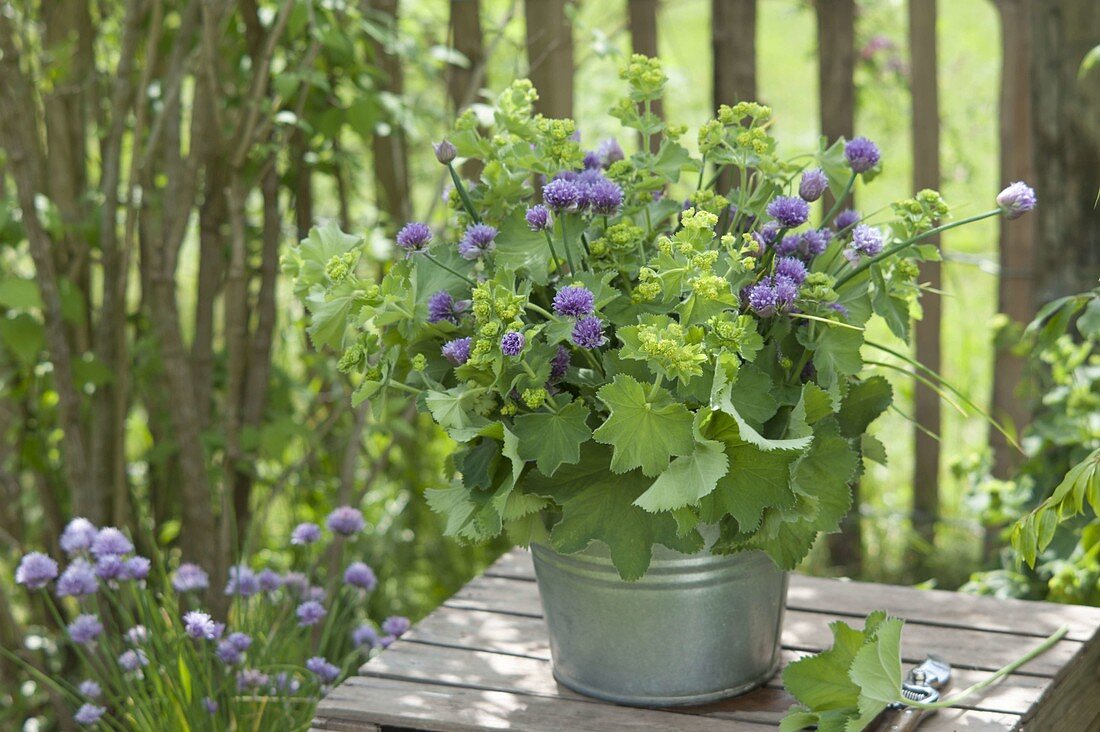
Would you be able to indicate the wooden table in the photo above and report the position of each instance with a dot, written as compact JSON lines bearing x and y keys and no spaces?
{"x":482,"y":661}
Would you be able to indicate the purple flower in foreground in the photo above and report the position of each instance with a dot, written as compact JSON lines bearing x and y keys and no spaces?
{"x":190,"y":578}
{"x":35,"y":571}
{"x":442,"y":306}
{"x":813,"y":242}
{"x":199,"y":625}
{"x":78,"y":536}
{"x":457,"y":351}
{"x":539,"y":218}
{"x":77,"y":580}
{"x":396,"y":625}
{"x":766,"y":236}
{"x":862,"y":154}
{"x":846,"y":219}
{"x":365,"y":635}
{"x":228,"y":653}
{"x":327,"y":672}
{"x":813,"y":185}
{"x":588,"y":333}
{"x":414,"y":236}
{"x":763,"y":299}
{"x":84,"y":629}
{"x":133,"y":659}
{"x":591,"y":160}
{"x":788,"y":246}
{"x":137,"y":568}
{"x":110,"y":567}
{"x":242,"y":581}
{"x":90,"y":689}
{"x":791,"y":268}
{"x":559,"y":364}
{"x":345,"y":521}
{"x":512,"y":343}
{"x":604,"y":197}
{"x":88,"y":714}
{"x":574,"y":301}
{"x":561,"y":195}
{"x":1016,"y":200}
{"x":310,"y":612}
{"x":789,"y":211}
{"x":269,"y":580}
{"x":305,"y":533}
{"x":110,"y":541}
{"x":786,"y":291}
{"x":866,"y":241}
{"x":358,"y":574}
{"x":445,"y":151}
{"x":240,"y":641}
{"x":479,"y":240}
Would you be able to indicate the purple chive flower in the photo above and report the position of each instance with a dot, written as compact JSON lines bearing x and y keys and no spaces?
{"x":240,"y":641}
{"x":345,"y":521}
{"x":445,"y":151}
{"x":766,"y":236}
{"x":317,"y":594}
{"x":846,"y":219}
{"x":137,"y":635}
{"x":866,"y":241}
{"x":137,"y":568}
{"x":1016,"y":200}
{"x":90,"y":689}
{"x":190,"y":578}
{"x":35,"y":571}
{"x":327,"y":672}
{"x":539,"y":218}
{"x":396,"y":625}
{"x":110,"y":541}
{"x":78,"y":536}
{"x":133,"y":659}
{"x":305,"y":533}
{"x":559,"y":364}
{"x":88,"y":714}
{"x":77,"y":580}
{"x":269,"y":580}
{"x":862,"y":154}
{"x":84,"y":629}
{"x":242,"y":581}
{"x":788,"y":246}
{"x":813,"y":185}
{"x":838,"y":308}
{"x":310,"y":612}
{"x":791,"y":268}
{"x":604,"y":197}
{"x":561,"y":194}
{"x":296,"y":582}
{"x":358,"y":574}
{"x":284,"y":683}
{"x":789,"y":211}
{"x":228,"y":653}
{"x":365,"y":635}
{"x":110,"y":567}
{"x":610,"y":152}
{"x":457,"y":351}
{"x":763,"y":299}
{"x":588,"y":333}
{"x":198,"y":625}
{"x":574,"y":301}
{"x":414,"y":236}
{"x":478,"y":241}
{"x":512,"y":343}
{"x":813,"y":242}
{"x":251,"y":679}
{"x":786,"y":291}
{"x":209,"y":705}
{"x":592,"y":160}
{"x":442,"y":306}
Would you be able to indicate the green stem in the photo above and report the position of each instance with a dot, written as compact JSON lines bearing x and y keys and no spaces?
{"x":437,"y":263}
{"x":565,"y":243}
{"x":466,"y":202}
{"x":840,"y":199}
{"x":986,"y":683}
{"x":656,"y":386}
{"x":702,"y":171}
{"x":537,"y":309}
{"x":889,"y":252}
{"x":553,"y":253}
{"x":403,"y":387}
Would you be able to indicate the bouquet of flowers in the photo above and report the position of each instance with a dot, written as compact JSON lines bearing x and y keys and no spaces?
{"x":622,"y":351}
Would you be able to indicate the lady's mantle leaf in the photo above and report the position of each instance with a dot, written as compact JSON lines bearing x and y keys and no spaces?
{"x":821,"y":682}
{"x":645,"y":430}
{"x":553,"y":438}
{"x":687,"y":479}
{"x":877,"y":671}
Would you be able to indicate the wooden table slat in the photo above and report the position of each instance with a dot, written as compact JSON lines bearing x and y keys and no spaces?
{"x":482,"y":661}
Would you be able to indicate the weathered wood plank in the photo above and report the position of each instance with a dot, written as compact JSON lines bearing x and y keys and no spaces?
{"x":495,"y":633}
{"x":805,"y":630}
{"x":934,"y":607}
{"x":1072,"y":701}
{"x":526,"y":676}
{"x":427,"y":706}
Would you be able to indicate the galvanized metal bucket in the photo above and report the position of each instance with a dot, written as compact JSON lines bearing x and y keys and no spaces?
{"x":695,"y":629}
